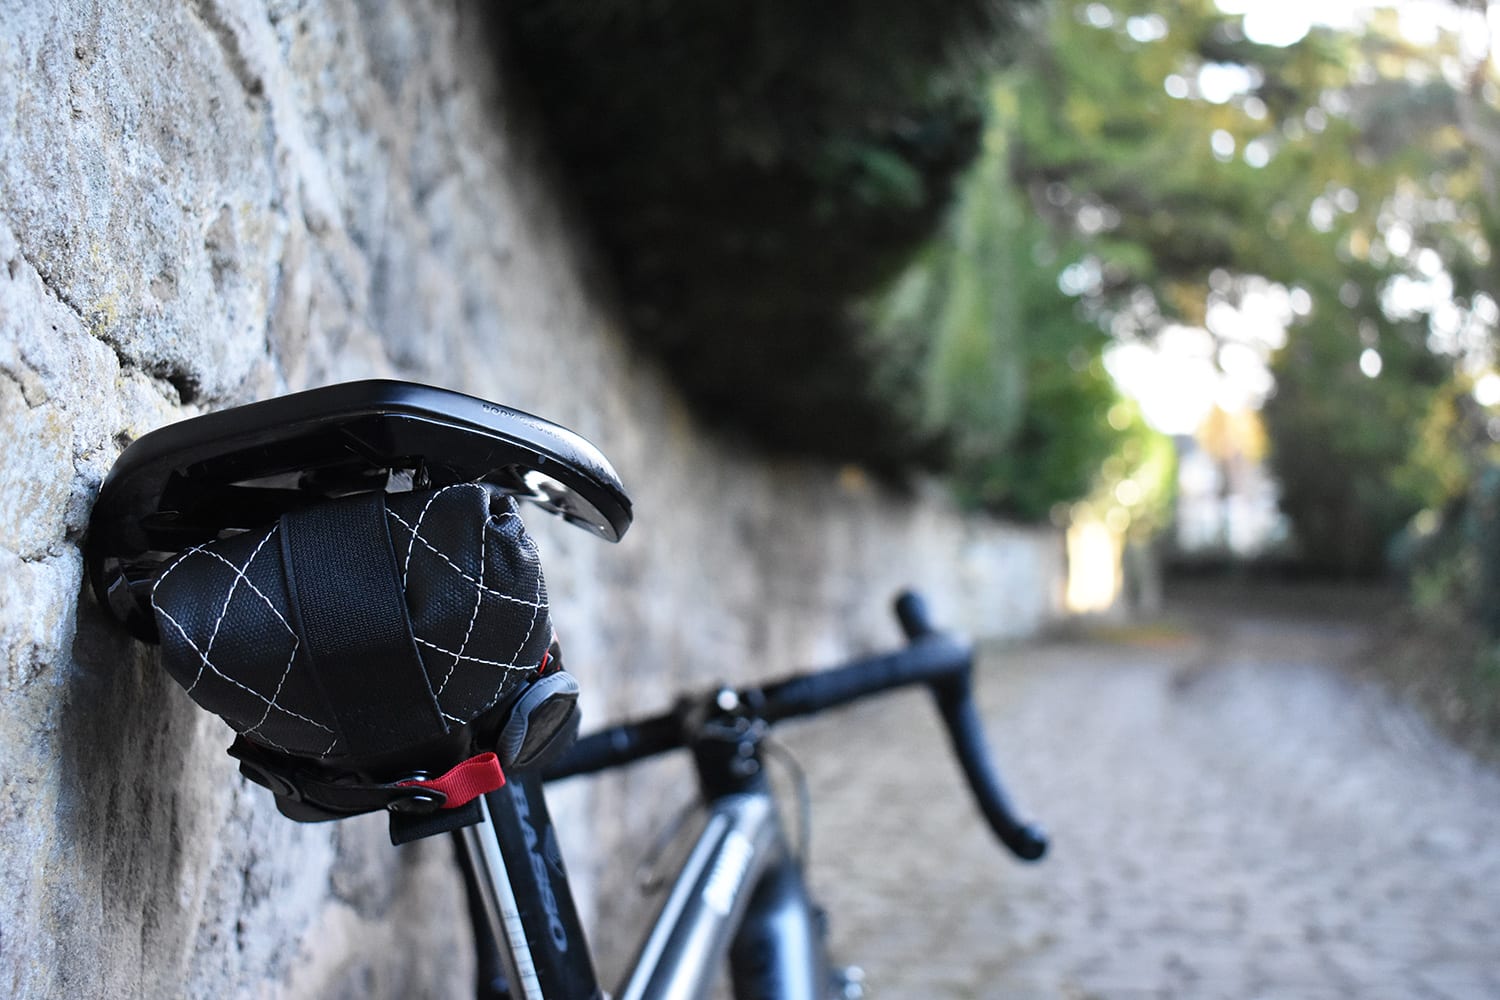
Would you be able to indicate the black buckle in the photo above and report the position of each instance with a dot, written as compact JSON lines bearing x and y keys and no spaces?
{"x":309,"y":795}
{"x":267,"y":777}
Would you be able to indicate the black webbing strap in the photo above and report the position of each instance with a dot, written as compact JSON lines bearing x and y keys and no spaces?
{"x":350,"y":614}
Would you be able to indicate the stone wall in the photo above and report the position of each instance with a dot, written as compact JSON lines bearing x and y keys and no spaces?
{"x":207,"y":203}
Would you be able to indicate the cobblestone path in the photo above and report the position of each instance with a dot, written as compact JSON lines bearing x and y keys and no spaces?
{"x":1231,"y":815}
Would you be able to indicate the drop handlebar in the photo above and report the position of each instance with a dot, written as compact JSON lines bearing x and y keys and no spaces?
{"x":938,"y":660}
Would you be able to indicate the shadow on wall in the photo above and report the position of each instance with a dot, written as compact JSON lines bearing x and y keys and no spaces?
{"x":132,"y":812}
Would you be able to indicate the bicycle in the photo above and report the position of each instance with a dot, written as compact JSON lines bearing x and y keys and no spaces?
{"x":359,"y":661}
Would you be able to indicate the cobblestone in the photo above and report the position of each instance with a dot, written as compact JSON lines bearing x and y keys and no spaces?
{"x":1233,"y":815}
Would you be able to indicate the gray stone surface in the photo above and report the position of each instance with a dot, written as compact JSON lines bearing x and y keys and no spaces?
{"x":212,"y":202}
{"x":1235,"y":815}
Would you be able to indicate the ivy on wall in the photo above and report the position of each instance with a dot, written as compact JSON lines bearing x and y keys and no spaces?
{"x":755,"y":170}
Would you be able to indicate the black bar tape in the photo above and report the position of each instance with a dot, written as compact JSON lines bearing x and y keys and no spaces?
{"x":345,"y":590}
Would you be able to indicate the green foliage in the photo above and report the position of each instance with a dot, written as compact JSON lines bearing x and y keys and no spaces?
{"x":1015,"y":381}
{"x":1453,"y":562}
{"x":1328,"y":168}
{"x":960,"y":299}
{"x":1063,"y":441}
{"x":754,"y":170}
{"x":1137,"y":485}
{"x":1484,"y":538}
{"x":771,"y":184}
{"x":1342,"y":441}
{"x":1450,"y":444}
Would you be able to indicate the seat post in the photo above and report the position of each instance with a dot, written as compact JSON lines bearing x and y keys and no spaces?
{"x":516,"y":871}
{"x":501,"y":914}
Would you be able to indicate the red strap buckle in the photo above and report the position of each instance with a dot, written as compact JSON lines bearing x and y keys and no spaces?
{"x":466,"y":782}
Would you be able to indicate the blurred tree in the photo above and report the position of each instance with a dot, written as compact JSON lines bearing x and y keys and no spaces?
{"x":1343,"y":439}
{"x":1015,"y":383}
{"x":752,"y":170}
{"x":755,"y":172}
{"x":1184,"y":155}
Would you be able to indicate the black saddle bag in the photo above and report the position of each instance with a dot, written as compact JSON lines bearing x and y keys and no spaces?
{"x":363,"y":645}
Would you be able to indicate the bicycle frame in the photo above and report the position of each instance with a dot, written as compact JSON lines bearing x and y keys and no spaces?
{"x":740,"y":889}
{"x":186,"y":488}
{"x":739,"y":894}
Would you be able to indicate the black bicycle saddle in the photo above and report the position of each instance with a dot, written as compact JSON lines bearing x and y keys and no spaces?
{"x":342,"y":575}
{"x":197,"y":480}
